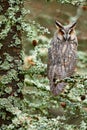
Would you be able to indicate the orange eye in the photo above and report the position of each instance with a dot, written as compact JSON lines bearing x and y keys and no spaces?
{"x":61,"y":32}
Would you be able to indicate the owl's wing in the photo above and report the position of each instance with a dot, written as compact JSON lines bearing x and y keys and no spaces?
{"x":49,"y":65}
{"x":61,"y":64}
{"x":51,"y":59}
{"x":69,"y":59}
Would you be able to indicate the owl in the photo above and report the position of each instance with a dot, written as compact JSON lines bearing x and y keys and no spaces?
{"x":62,"y":56}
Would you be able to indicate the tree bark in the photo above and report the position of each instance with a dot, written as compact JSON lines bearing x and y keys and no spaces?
{"x":11,"y":77}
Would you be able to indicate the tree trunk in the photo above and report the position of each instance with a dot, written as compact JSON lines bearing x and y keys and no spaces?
{"x":11,"y":77}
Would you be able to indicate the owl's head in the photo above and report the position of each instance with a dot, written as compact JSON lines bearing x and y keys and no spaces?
{"x":66,"y":33}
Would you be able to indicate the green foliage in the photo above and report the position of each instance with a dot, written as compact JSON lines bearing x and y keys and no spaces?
{"x":73,"y":2}
{"x":82,"y":59}
{"x":33,"y":29}
{"x":6,"y":65}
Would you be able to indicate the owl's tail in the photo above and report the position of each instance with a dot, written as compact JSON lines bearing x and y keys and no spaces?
{"x":56,"y":89}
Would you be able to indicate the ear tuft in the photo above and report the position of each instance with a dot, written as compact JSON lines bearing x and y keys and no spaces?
{"x":73,"y":25}
{"x":58,"y":24}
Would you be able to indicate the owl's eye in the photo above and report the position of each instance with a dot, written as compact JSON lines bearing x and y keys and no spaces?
{"x":61,"y":31}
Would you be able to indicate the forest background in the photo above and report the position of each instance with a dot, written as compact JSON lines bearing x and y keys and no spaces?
{"x":26,"y":102}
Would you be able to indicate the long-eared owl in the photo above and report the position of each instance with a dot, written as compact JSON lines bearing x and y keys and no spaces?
{"x":62,"y":56}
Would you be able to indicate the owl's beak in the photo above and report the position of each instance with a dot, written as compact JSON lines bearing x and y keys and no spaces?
{"x":66,"y":37}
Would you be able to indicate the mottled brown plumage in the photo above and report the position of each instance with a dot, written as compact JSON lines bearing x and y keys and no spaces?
{"x":62,"y":55}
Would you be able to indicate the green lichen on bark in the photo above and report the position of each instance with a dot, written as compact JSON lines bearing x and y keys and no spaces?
{"x":11,"y":77}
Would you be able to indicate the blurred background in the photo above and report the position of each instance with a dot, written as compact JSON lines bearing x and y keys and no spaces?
{"x":45,"y":13}
{"x":39,"y":29}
